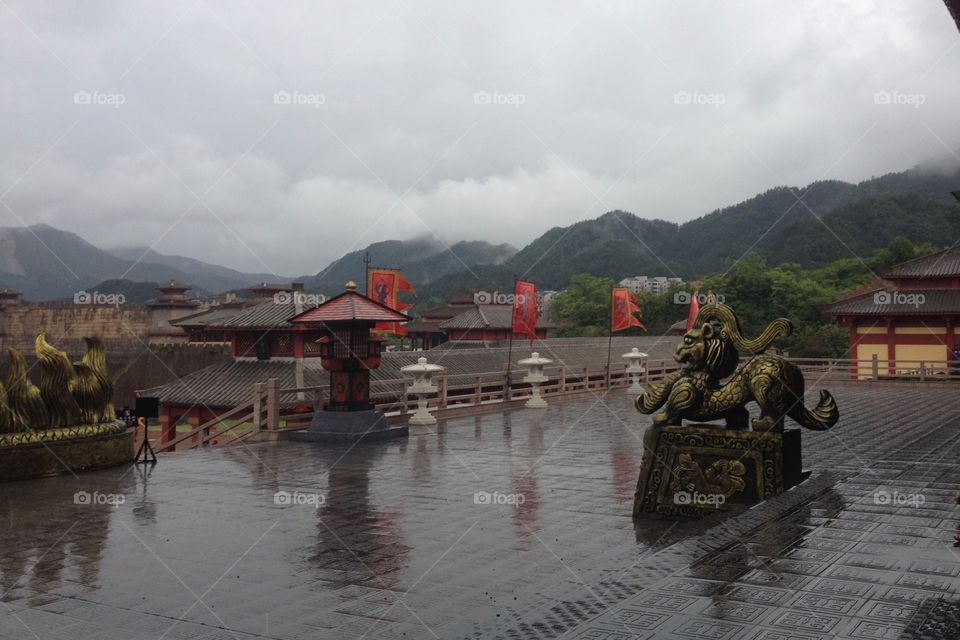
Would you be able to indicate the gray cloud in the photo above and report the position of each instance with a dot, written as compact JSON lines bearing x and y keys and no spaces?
{"x":494,"y":120}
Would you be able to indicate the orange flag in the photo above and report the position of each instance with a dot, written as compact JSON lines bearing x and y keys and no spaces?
{"x":384,"y":286}
{"x":694,"y":310}
{"x":525,"y":309}
{"x":622,"y":308}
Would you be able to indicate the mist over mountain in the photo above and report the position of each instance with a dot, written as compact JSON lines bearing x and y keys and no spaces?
{"x":812,"y":225}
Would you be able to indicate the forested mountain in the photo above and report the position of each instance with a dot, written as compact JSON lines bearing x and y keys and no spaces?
{"x":422,"y":260}
{"x":825,"y":221}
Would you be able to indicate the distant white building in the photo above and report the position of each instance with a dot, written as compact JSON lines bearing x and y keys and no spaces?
{"x":648,"y":284}
{"x":546,"y":301}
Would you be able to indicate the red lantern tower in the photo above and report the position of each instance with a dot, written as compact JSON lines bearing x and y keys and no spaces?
{"x":349,"y":353}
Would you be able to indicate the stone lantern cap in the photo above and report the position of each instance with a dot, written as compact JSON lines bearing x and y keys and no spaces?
{"x":534,"y":360}
{"x":421,"y":367}
{"x":634,"y":354}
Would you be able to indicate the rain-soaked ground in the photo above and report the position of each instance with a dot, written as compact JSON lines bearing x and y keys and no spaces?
{"x":507,"y":525}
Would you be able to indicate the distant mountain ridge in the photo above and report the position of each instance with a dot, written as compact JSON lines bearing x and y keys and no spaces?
{"x":835,"y":219}
{"x":209,"y":277}
{"x":422,"y":260}
{"x":46,"y":263}
{"x":822,"y":222}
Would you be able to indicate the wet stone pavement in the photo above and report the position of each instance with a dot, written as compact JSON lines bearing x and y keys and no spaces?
{"x":510,"y":525}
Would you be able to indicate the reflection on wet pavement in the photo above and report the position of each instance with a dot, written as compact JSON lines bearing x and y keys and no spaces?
{"x":512,"y":525}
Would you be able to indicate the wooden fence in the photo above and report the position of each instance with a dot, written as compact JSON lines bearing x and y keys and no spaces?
{"x":266,"y":416}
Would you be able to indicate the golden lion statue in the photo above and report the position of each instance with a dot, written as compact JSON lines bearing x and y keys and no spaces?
{"x":710,"y":352}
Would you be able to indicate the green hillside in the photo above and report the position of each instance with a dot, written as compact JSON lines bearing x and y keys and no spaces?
{"x":835,"y":220}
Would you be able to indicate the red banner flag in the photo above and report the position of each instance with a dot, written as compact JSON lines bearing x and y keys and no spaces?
{"x":622,"y":308}
{"x":694,"y":310}
{"x":384,"y":286}
{"x":402,"y":284}
{"x":525,"y":309}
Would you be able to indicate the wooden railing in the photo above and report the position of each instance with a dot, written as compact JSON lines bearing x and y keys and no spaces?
{"x":261,"y":414}
{"x":267,"y":414}
{"x":877,"y":370}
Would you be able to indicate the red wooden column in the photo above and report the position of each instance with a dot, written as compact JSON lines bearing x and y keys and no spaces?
{"x":891,"y":346}
{"x":855,"y":367}
{"x":193,"y":419}
{"x":167,"y":423}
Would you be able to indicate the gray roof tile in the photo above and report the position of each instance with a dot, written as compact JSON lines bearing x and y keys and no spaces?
{"x":230,"y":383}
{"x":904,"y":302}
{"x":937,"y":265}
{"x":493,"y":316}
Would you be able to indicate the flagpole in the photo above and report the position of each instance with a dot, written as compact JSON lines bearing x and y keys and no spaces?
{"x":609,"y":344}
{"x":366,"y":273}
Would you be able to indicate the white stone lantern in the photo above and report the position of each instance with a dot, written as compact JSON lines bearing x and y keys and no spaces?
{"x":421,"y":385}
{"x":635,"y":370}
{"x":535,"y":378}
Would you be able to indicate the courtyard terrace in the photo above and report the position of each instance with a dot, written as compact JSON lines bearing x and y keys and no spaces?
{"x":507,"y":525}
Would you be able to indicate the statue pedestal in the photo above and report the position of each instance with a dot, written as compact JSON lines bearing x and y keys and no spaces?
{"x":698,"y":469}
{"x":348,"y":426}
{"x":35,"y":454}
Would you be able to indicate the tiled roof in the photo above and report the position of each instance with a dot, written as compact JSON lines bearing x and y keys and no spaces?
{"x":230,"y":383}
{"x":491,"y":316}
{"x":9,"y":291}
{"x":420,"y":326}
{"x":937,"y":265}
{"x":213,"y":316}
{"x":906,"y":302}
{"x":351,"y":305}
{"x":267,"y":314}
{"x":445,"y":312}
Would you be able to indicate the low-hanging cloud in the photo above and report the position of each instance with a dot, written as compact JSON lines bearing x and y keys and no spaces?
{"x":278,"y":137}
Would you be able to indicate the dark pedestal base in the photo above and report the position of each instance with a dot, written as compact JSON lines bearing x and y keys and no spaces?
{"x":68,"y":450}
{"x":348,"y":426}
{"x":698,"y":469}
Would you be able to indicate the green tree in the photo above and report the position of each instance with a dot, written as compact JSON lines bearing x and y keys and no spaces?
{"x":583,"y":309}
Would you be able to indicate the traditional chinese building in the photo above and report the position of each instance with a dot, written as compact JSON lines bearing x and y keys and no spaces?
{"x":9,"y":297}
{"x":912,"y":323}
{"x":488,"y":324}
{"x":425,"y":331}
{"x":464,"y":319}
{"x":171,"y":303}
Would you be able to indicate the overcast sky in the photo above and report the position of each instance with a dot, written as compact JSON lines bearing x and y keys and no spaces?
{"x":275,"y":136}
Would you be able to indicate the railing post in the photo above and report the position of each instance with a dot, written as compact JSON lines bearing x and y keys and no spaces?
{"x":442,"y":402}
{"x":607,"y":373}
{"x":875,"y":366}
{"x":479,"y":391}
{"x":273,"y":405}
{"x":563,"y":379}
{"x":923,"y":371}
{"x":404,"y":397}
{"x":586,"y":378}
{"x":257,"y":406}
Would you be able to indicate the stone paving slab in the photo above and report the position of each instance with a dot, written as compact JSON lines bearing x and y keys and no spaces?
{"x":428,"y":537}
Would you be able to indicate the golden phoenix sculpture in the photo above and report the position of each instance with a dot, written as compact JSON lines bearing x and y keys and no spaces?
{"x":68,"y":394}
